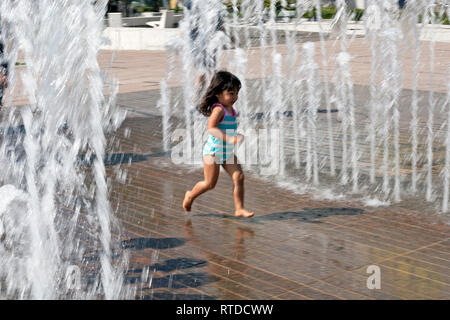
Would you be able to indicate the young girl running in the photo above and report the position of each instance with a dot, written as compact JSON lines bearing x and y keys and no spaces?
{"x":217,"y":104}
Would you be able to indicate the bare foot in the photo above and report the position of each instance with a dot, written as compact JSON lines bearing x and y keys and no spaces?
{"x":243,"y":213}
{"x":187,"y":202}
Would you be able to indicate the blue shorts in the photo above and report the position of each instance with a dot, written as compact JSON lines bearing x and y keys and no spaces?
{"x":221,"y":154}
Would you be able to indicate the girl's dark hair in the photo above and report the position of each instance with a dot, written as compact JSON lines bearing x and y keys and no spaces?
{"x":222,"y":80}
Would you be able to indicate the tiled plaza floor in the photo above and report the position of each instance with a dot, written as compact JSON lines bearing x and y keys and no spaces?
{"x":294,"y":247}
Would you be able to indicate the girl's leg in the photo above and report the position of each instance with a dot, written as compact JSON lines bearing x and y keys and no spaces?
{"x":235,"y":171}
{"x":211,"y":171}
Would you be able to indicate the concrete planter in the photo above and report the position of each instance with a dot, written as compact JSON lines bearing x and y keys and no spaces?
{"x":357,"y":4}
{"x":115,"y":20}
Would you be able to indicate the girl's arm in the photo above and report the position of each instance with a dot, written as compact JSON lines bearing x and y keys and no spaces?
{"x":216,"y":116}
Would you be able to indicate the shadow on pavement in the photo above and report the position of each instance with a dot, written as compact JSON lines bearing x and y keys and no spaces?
{"x":121,"y":158}
{"x":173,"y":264}
{"x":310,"y":215}
{"x":176,"y":296}
{"x":153,"y":243}
{"x":287,"y":114}
{"x":11,"y":131}
{"x":175,"y":281}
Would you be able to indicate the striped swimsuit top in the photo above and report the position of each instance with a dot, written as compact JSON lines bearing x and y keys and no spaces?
{"x":228,"y":125}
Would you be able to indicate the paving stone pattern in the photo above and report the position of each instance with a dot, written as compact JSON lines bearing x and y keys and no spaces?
{"x":294,"y":247}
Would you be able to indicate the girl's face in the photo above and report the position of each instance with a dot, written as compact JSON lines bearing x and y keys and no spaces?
{"x":228,"y":97}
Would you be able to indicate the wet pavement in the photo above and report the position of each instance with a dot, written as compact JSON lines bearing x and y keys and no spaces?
{"x":294,"y":248}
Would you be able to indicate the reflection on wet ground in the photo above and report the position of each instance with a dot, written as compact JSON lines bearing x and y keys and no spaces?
{"x":294,"y":248}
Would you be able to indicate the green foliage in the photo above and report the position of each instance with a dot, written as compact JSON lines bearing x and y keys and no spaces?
{"x":139,"y":6}
{"x":439,"y":20}
{"x":145,"y":9}
{"x":330,"y":12}
{"x":277,"y":4}
{"x":443,"y":19}
{"x":326,"y":13}
{"x":358,"y":14}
